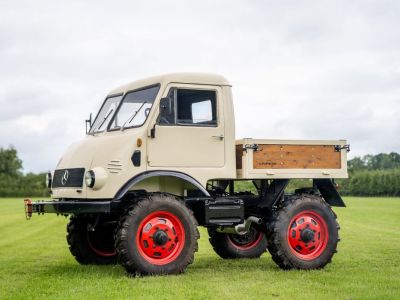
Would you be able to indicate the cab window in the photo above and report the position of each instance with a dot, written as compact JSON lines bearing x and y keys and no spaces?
{"x":192,"y":108}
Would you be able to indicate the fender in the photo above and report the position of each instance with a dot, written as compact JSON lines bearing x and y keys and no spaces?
{"x":329,"y":192}
{"x":157,"y":173}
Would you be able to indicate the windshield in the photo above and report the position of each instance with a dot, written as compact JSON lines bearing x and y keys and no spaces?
{"x":105,"y":114}
{"x":135,"y":108}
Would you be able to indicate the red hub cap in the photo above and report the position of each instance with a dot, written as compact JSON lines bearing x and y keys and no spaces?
{"x":307,"y":235}
{"x":160,"y":238}
{"x":246,"y":241}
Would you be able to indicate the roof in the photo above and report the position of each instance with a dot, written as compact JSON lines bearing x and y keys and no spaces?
{"x":194,"y":78}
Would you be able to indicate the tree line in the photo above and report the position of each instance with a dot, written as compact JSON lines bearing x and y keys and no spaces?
{"x":369,"y":175}
{"x":14,"y":183}
{"x":373,"y":175}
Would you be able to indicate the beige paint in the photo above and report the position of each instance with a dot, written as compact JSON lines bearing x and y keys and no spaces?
{"x":192,"y":146}
{"x":191,"y":150}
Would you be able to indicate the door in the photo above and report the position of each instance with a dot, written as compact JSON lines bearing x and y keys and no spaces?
{"x":192,"y":135}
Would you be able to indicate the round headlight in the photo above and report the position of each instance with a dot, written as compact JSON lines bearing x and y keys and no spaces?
{"x":90,"y":178}
{"x":48,"y":180}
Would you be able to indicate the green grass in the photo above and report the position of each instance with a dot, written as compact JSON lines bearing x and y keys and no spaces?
{"x":35,"y":263}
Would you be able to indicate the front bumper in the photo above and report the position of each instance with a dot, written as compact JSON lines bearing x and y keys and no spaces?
{"x":68,"y":207}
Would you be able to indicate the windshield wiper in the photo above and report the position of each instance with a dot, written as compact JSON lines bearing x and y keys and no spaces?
{"x":104,"y":119}
{"x":133,"y":116}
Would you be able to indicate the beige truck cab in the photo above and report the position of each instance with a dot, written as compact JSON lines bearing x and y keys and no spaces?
{"x":161,"y":157}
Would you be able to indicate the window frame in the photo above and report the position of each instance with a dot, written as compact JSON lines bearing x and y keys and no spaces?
{"x":101,"y":107}
{"x":176,"y":108}
{"x":122,"y":101}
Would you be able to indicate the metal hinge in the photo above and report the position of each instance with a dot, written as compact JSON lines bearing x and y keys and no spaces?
{"x":339,"y":148}
{"x":253,"y":147}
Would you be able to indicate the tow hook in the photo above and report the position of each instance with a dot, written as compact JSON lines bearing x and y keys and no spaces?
{"x":28,"y":208}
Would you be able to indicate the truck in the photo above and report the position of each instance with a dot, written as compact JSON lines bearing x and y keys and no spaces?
{"x":161,"y":158}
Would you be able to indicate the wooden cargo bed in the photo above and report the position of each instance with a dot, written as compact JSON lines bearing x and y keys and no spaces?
{"x":290,"y":159}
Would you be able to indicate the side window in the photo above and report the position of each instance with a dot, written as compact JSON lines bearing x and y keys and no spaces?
{"x":191,"y":108}
{"x":196,"y":107}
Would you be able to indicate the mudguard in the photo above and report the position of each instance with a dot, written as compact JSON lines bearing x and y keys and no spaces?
{"x":328,"y":191}
{"x":157,"y":173}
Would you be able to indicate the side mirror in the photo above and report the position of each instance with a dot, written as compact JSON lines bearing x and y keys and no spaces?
{"x":166,"y":115}
{"x":88,"y":122}
{"x":166,"y":106}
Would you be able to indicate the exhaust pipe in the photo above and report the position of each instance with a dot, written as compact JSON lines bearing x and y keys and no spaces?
{"x":245,"y":227}
{"x":242,"y":228}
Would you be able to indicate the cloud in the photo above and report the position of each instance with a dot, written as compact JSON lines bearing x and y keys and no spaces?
{"x":302,"y":70}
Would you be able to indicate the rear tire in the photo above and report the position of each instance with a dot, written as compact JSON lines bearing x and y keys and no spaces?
{"x":303,"y":233}
{"x":91,"y":247}
{"x":230,"y":246}
{"x":157,"y":235}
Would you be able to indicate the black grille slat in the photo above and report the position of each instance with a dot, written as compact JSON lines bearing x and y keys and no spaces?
{"x":74,"y":178}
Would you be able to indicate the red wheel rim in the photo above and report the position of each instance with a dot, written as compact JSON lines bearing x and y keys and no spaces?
{"x":307,"y":235}
{"x":97,"y":250}
{"x":244,"y":242}
{"x":160,"y":238}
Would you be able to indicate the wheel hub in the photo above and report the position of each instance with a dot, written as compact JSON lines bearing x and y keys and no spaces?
{"x":307,"y":235}
{"x":160,"y":237}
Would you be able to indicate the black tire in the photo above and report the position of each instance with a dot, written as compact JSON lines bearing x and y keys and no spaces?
{"x":231,"y":246}
{"x":92,"y":247}
{"x":303,"y":233}
{"x":157,"y":235}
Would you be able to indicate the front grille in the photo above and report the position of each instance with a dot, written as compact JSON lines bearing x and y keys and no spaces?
{"x":68,"y":178}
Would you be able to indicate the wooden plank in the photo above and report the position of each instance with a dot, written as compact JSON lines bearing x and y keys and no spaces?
{"x":272,"y":156}
{"x":239,"y":155}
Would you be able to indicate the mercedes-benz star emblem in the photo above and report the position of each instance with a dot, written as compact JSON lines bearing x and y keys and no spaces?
{"x":64,"y":178}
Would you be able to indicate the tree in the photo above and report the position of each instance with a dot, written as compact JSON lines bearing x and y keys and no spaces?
{"x":10,"y":164}
{"x":13,"y":183}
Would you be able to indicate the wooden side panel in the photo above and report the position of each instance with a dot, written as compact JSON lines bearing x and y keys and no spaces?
{"x":296,"y":157}
{"x":239,"y":154}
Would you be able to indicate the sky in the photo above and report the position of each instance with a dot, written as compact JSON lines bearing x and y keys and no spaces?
{"x":299,"y":69}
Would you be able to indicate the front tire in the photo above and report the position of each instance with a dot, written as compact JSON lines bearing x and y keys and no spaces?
{"x":303,"y":233}
{"x":90,"y":246}
{"x":157,"y":235}
{"x":230,"y":246}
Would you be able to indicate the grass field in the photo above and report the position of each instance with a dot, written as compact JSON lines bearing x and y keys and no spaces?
{"x":35,"y":263}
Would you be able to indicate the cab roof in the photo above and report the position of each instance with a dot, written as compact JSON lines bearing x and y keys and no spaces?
{"x":190,"y":78}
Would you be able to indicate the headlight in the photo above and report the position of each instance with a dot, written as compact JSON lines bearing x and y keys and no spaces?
{"x":90,"y":178}
{"x":48,"y":180}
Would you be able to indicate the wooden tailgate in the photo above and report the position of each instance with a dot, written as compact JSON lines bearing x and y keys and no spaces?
{"x":285,"y":156}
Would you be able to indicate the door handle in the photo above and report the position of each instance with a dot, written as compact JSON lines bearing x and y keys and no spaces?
{"x":220,"y":137}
